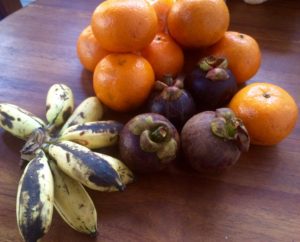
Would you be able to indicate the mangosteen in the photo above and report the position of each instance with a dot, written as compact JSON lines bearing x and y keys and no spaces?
{"x":148,"y":143}
{"x":211,"y":83}
{"x":172,"y":101}
{"x":214,"y":139}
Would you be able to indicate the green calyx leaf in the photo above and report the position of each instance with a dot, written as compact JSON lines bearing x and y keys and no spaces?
{"x":139,"y":124}
{"x":170,"y":89}
{"x":157,"y":138}
{"x":210,"y":62}
{"x":215,"y":68}
{"x":227,"y":126}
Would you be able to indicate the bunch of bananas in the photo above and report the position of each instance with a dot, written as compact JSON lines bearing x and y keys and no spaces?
{"x":60,"y":160}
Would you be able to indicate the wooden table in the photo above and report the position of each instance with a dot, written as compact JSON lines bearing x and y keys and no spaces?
{"x":257,"y":200}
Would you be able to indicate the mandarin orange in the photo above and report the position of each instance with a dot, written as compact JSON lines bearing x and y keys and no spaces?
{"x":123,"y":81}
{"x":242,"y":52}
{"x":89,"y":51}
{"x":124,"y":25}
{"x":162,"y":8}
{"x":268,"y":112}
{"x":198,"y":23}
{"x":165,"y":56}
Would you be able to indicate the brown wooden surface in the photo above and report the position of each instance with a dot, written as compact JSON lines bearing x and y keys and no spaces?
{"x":257,"y":200}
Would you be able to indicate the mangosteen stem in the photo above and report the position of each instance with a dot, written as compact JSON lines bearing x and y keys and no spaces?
{"x":160,"y":141}
{"x":159,"y":134}
{"x":168,"y":79}
{"x":153,"y":139}
{"x":169,"y":88}
{"x":171,"y":93}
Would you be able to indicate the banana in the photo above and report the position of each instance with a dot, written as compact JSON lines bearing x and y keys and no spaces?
{"x":83,"y":165}
{"x":93,"y":135}
{"x":18,"y":121}
{"x":125,"y":174}
{"x":88,"y":111}
{"x":73,"y":203}
{"x":59,"y":104}
{"x":35,"y":198}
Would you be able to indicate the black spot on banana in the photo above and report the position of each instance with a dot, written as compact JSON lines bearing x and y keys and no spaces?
{"x":59,"y":104}
{"x":73,"y":203}
{"x":84,"y":165}
{"x":7,"y":120}
{"x":18,"y":121}
{"x":125,"y":174}
{"x":35,"y":199}
{"x":93,"y":135}
{"x":88,"y":111}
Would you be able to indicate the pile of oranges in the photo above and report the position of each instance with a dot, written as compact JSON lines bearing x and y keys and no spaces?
{"x":131,"y":43}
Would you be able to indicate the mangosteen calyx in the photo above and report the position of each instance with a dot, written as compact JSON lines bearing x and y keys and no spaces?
{"x":170,"y":89}
{"x":155,"y":137}
{"x":215,"y":68}
{"x":227,"y":126}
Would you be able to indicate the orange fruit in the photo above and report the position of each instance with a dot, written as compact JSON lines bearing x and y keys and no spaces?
{"x":123,"y":81}
{"x":198,"y":23}
{"x":242,"y":52}
{"x":164,"y":55}
{"x":162,"y":8}
{"x":268,"y":112}
{"x":124,"y":25}
{"x":89,"y":51}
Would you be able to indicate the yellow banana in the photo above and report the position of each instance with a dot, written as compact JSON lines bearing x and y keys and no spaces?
{"x":18,"y":121}
{"x":88,"y":111}
{"x":73,"y":203}
{"x":35,"y":199}
{"x":59,"y":104}
{"x":125,"y":174}
{"x":93,"y":135}
{"x":83,"y":165}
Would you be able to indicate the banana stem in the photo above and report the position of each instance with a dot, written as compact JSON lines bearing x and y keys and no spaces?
{"x":51,"y":128}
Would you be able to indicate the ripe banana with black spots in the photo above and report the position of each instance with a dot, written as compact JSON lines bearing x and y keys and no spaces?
{"x":89,"y":110}
{"x":73,"y":203}
{"x":83,"y":165}
{"x":35,"y":198}
{"x":59,"y":104}
{"x":93,"y":135}
{"x":18,"y":121}
{"x":125,"y":174}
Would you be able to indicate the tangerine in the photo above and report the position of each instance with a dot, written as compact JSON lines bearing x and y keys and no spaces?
{"x":124,"y":25}
{"x":162,"y":8}
{"x":198,"y":23}
{"x":165,"y":56}
{"x":242,"y":52}
{"x":89,"y":51}
{"x":268,"y":112}
{"x":123,"y":81}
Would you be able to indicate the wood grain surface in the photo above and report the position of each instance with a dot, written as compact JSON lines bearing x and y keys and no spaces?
{"x":256,"y":200}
